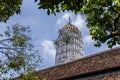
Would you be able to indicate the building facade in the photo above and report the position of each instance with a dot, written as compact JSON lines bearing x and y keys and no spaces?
{"x":101,"y":66}
{"x":69,"y":45}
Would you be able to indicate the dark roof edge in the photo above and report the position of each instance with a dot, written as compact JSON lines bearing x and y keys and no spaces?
{"x":89,"y":56}
{"x":98,"y":72}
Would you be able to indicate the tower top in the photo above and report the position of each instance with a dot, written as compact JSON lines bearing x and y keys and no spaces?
{"x":69,"y":23}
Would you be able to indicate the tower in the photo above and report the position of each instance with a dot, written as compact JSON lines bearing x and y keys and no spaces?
{"x":69,"y":44}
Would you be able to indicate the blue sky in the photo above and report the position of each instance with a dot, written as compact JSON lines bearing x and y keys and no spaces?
{"x":45,"y":30}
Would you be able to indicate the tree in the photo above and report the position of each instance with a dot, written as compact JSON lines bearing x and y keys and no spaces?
{"x":8,"y":8}
{"x":102,"y":17}
{"x":17,"y":53}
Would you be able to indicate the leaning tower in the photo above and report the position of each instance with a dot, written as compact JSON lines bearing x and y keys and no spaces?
{"x":69,"y":44}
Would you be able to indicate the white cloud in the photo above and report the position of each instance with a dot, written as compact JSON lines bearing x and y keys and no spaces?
{"x":48,"y":53}
{"x":88,"y":39}
{"x":79,"y":22}
{"x":48,"y":48}
{"x":59,"y":21}
{"x":64,"y":18}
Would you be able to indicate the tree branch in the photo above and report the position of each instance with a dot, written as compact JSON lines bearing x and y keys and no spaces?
{"x":112,"y":7}
{"x":10,"y":48}
{"x":113,"y":34}
{"x":115,"y":21}
{"x":1,"y":41}
{"x":7,"y":48}
{"x":5,"y":44}
{"x":5,"y":54}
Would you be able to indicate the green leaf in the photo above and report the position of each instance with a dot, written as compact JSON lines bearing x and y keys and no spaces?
{"x":36,"y":0}
{"x":48,"y":12}
{"x":1,"y":35}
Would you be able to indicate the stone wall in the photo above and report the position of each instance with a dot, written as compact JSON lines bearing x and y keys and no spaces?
{"x":109,"y":77}
{"x":112,"y":75}
{"x":115,"y":76}
{"x":106,"y":60}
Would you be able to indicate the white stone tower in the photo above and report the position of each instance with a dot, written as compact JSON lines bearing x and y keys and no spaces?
{"x":69,"y":44}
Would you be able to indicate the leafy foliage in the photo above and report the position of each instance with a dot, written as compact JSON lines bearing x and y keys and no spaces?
{"x":8,"y":8}
{"x":55,"y":6}
{"x":66,"y":38}
{"x":102,"y":17}
{"x":17,"y":54}
{"x":30,"y":76}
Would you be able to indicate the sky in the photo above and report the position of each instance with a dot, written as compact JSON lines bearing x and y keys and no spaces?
{"x":45,"y":30}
